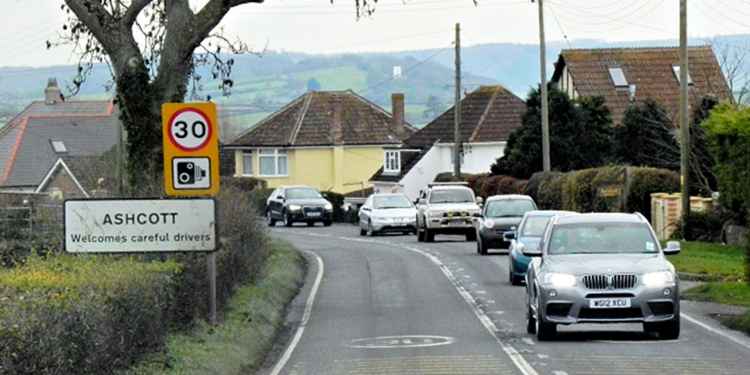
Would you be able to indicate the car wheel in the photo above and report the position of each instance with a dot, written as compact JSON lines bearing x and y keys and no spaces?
{"x":544,"y":330}
{"x":269,"y":219}
{"x":669,"y":330}
{"x":327,"y":223}
{"x":510,"y":272}
{"x":362,"y":232}
{"x":481,"y":249}
{"x":429,"y":236}
{"x":471,"y":236}
{"x":288,"y":220}
{"x":530,"y":321}
{"x":420,"y":235}
{"x":370,"y":231}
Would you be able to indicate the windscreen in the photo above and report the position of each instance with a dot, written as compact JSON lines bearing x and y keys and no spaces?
{"x":508,"y":208}
{"x":391,"y":201}
{"x":302,"y":193}
{"x":601,"y":238}
{"x":452,"y":196}
{"x":534,"y":226}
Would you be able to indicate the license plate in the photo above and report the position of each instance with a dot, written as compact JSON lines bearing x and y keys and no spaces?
{"x":456,"y":222}
{"x":313,"y":214}
{"x":609,"y":303}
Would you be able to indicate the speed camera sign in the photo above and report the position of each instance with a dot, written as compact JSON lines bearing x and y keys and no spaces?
{"x":191,"y":153}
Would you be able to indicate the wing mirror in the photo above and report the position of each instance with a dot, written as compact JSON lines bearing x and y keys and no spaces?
{"x":529,"y":252}
{"x":673,"y":247}
{"x":509,"y":236}
{"x":421,"y":201}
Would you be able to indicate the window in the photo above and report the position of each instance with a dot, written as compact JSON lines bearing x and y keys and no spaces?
{"x":247,"y":163}
{"x":273,"y":162}
{"x":676,"y":71}
{"x":618,"y":77}
{"x":59,"y":147}
{"x":392,"y":162}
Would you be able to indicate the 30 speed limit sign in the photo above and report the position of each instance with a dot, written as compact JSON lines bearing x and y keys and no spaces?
{"x":191,"y":149}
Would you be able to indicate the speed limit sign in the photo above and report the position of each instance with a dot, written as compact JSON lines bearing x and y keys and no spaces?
{"x":191,"y":152}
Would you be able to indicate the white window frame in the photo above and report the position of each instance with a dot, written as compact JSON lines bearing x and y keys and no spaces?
{"x":676,"y":71}
{"x":247,"y":154}
{"x":617,"y":75}
{"x":392,"y":162}
{"x":276,"y":155}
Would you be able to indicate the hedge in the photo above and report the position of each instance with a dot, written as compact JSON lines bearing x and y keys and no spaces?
{"x":485,"y":185}
{"x":586,"y":190}
{"x":85,"y":314}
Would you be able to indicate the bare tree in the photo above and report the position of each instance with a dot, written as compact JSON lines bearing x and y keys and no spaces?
{"x":734,"y":60}
{"x":152,"y":48}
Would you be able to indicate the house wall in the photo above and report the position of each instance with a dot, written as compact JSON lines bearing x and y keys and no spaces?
{"x":478,"y":158}
{"x":61,"y":186}
{"x":341,"y":169}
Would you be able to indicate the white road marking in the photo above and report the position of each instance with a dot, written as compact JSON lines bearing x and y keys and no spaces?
{"x":398,"y":342}
{"x":528,"y":341}
{"x":559,"y":373}
{"x":305,"y":318}
{"x":498,"y":312}
{"x":542,"y":356}
{"x":480,"y":292}
{"x":715,"y":331}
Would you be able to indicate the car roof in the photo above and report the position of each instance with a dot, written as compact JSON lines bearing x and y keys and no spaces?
{"x":549,"y":213}
{"x":296,"y":187}
{"x":387,"y":194}
{"x":450,"y":187}
{"x":601,"y":217}
{"x":509,"y":197}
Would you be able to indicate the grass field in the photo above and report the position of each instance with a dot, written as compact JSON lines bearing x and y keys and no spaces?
{"x":239,"y":344}
{"x":711,"y":261}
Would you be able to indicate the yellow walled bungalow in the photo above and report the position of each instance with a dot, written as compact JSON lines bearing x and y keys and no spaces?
{"x":331,"y":140}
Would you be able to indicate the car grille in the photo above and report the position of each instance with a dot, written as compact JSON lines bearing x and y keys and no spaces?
{"x":619,"y":281}
{"x":455,"y":214}
{"x":631,"y":312}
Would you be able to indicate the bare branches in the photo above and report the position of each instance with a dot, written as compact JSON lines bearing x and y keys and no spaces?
{"x":733,"y":60}
{"x":132,"y":12}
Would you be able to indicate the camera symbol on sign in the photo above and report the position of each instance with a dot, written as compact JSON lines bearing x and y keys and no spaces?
{"x":191,"y":173}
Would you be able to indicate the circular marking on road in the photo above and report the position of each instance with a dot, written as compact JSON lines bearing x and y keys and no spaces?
{"x":399,"y":342}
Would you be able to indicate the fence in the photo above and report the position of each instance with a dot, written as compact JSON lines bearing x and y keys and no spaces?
{"x":31,"y":220}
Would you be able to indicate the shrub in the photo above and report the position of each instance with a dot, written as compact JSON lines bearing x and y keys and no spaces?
{"x":448,"y":177}
{"x":701,"y":226}
{"x":243,"y":183}
{"x":82,"y":315}
{"x":645,"y":181}
{"x":549,"y":193}
{"x":494,"y":185}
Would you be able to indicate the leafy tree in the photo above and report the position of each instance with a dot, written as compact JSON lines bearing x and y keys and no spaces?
{"x":153,"y":48}
{"x":313,"y":84}
{"x":702,"y":179}
{"x":646,"y":137}
{"x":580,"y":136}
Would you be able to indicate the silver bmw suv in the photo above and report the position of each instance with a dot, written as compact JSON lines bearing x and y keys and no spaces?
{"x":602,"y":268}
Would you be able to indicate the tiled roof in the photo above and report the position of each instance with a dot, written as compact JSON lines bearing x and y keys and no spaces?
{"x":26,"y":153}
{"x":310,"y":121}
{"x":650,"y":69}
{"x":488,"y":114}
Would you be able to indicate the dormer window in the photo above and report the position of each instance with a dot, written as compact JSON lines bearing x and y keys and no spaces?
{"x":676,"y":71}
{"x":618,"y":77}
{"x":392,"y":162}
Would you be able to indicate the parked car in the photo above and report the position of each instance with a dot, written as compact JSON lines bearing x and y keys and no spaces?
{"x":447,"y":208}
{"x":501,"y":213}
{"x":528,"y":235}
{"x":382,"y":213}
{"x":602,"y":268}
{"x":291,"y":204}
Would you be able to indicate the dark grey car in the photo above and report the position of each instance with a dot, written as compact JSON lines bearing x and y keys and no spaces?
{"x":602,"y":268}
{"x":500,"y":214}
{"x":292,"y":204}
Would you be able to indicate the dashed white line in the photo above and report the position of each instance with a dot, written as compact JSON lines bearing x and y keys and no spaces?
{"x":305,"y":318}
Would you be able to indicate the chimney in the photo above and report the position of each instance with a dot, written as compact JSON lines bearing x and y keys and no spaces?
{"x":52,"y":93}
{"x":397,"y":113}
{"x":337,"y":126}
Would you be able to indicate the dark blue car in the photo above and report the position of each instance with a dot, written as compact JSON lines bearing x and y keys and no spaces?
{"x":528,"y":234}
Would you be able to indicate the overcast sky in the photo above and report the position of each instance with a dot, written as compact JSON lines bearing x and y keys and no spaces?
{"x":319,"y":26}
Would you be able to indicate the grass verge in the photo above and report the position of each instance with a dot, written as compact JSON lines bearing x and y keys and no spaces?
{"x":730,"y":293}
{"x":710,"y":262}
{"x":253,"y":318}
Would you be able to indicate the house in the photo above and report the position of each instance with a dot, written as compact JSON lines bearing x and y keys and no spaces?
{"x":626,"y":75}
{"x":488,"y":116}
{"x":43,"y":148}
{"x":331,"y":140}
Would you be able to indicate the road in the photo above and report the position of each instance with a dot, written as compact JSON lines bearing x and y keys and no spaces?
{"x":392,"y":305}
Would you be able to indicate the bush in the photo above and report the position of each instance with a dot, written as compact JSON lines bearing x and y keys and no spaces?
{"x":243,"y":183}
{"x":701,"y":226}
{"x":645,"y":181}
{"x":495,"y":185}
{"x":82,"y":315}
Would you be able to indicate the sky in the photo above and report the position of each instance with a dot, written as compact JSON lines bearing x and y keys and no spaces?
{"x":319,"y":26}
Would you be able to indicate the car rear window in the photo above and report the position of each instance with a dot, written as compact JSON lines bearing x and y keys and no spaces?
{"x":602,"y":238}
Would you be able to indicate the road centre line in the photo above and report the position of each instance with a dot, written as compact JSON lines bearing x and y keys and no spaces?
{"x":305,"y":317}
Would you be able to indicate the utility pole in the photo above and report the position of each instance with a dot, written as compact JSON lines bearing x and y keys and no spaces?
{"x":547,"y":165}
{"x":457,"y":108}
{"x":120,"y":153}
{"x":684,"y":125}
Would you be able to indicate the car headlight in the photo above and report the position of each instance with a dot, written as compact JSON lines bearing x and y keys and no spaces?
{"x":658,"y":279}
{"x":489,"y":224}
{"x":434,"y":213}
{"x":381,"y":219}
{"x":328,"y":206}
{"x":560,"y":280}
{"x":294,"y":207}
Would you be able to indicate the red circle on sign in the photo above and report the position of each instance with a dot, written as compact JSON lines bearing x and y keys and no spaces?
{"x":209,"y":129}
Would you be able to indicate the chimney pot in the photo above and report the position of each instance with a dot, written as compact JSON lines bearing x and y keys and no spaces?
{"x":397,"y":113}
{"x":52,"y":93}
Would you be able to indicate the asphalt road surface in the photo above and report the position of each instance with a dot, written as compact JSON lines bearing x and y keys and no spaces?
{"x":392,"y":305}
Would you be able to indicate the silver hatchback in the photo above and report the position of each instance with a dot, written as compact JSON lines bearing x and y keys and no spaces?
{"x":602,"y":268}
